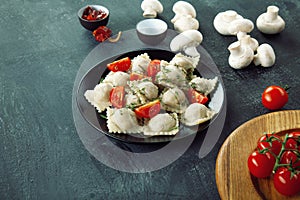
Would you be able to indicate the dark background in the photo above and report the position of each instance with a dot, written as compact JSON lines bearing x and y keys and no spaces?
{"x":42,"y":45}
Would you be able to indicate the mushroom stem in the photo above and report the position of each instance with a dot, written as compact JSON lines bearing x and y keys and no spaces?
{"x":272,"y":13}
{"x":230,"y":15}
{"x":191,"y":51}
{"x":149,"y":13}
{"x":247,"y":40}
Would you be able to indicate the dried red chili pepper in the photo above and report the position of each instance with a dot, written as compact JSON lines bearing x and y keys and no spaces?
{"x":102,"y":33}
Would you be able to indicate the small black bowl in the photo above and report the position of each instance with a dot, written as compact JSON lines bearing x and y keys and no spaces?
{"x":91,"y":25}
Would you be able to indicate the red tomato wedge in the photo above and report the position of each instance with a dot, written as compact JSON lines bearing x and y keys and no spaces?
{"x":136,"y":76}
{"x":116,"y":97}
{"x":120,"y":65}
{"x":196,"y":97}
{"x":153,"y":68}
{"x":148,"y":110}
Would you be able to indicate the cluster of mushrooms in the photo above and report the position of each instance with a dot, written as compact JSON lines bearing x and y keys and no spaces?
{"x":242,"y":52}
{"x":184,"y":22}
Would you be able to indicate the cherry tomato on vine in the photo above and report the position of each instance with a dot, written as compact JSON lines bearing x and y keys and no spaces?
{"x":285,"y":182}
{"x":148,"y":110}
{"x":261,"y":165}
{"x":116,"y":96}
{"x":290,"y":157}
{"x":274,"y":97}
{"x":291,"y":143}
{"x":296,"y":136}
{"x":271,"y":142}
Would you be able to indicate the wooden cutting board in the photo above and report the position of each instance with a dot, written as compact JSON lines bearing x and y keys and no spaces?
{"x":232,"y":176}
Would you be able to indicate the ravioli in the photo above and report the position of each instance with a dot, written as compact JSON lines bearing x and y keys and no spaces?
{"x":99,"y":96}
{"x":170,"y":88}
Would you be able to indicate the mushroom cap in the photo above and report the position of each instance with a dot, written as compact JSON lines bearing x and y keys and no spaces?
{"x":185,"y":23}
{"x":223,"y":19}
{"x":265,"y":56}
{"x":189,"y":38}
{"x":184,"y":8}
{"x":240,"y":25}
{"x":151,"y":8}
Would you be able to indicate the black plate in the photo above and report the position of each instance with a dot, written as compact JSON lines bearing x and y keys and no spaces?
{"x":93,"y":76}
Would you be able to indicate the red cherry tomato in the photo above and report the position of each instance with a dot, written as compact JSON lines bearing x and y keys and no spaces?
{"x":196,"y":97}
{"x":290,"y":157}
{"x":261,"y":165}
{"x":271,"y":142}
{"x":148,"y":110}
{"x":286,"y":183}
{"x":116,"y":97}
{"x":274,"y":97}
{"x":296,"y":136}
{"x":135,"y":76}
{"x":120,"y":65}
{"x":153,"y":68}
{"x":291,"y":143}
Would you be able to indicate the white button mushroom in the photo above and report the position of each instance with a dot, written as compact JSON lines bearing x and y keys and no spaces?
{"x":185,"y":23}
{"x":240,"y":56}
{"x":265,"y":56}
{"x":270,"y":22}
{"x":151,"y":8}
{"x":188,"y":41}
{"x":223,"y":19}
{"x":247,"y":40}
{"x":183,"y":8}
{"x":242,"y":25}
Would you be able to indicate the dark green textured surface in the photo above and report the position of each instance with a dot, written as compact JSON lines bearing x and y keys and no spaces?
{"x":42,"y":46}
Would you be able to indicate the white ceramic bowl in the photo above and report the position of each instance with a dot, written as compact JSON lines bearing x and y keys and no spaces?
{"x":152,"y":31}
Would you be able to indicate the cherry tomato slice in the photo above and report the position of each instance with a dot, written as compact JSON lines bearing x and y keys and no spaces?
{"x":148,"y":110}
{"x":136,"y":76}
{"x":261,"y":165}
{"x":285,"y":182}
{"x":153,"y":68}
{"x":274,"y":97}
{"x":196,"y":97}
{"x":271,"y":142}
{"x":116,"y":97}
{"x":120,"y":65}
